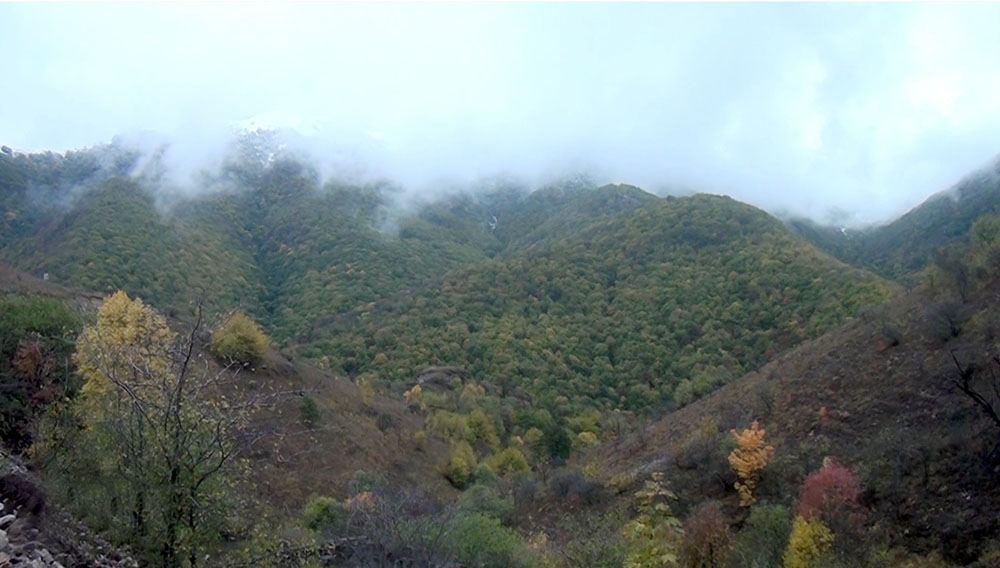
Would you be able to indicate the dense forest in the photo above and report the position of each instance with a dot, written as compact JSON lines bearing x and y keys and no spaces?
{"x":570,"y":374}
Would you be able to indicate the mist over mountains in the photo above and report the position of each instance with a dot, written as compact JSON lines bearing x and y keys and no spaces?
{"x":491,"y":285}
{"x":854,"y":112}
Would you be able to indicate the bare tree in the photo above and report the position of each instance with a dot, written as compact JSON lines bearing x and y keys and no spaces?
{"x":982,"y":388}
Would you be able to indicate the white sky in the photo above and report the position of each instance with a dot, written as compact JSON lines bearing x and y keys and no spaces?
{"x":866,"y":109}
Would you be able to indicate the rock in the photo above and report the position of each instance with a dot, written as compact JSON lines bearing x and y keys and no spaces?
{"x":6,"y":521}
{"x":4,"y":541}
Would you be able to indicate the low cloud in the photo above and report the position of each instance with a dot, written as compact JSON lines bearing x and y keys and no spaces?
{"x":852,"y":112}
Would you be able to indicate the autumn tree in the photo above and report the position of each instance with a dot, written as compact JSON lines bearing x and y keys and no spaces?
{"x":707,"y":538}
{"x":831,"y":494}
{"x":750,"y":457}
{"x":158,"y":427}
{"x":809,"y":541}
{"x":239,"y":340}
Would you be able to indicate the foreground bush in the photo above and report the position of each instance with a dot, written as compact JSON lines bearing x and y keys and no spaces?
{"x":35,"y":345}
{"x":138,"y":453}
{"x":763,"y":538}
{"x":481,"y":540}
{"x":239,"y":340}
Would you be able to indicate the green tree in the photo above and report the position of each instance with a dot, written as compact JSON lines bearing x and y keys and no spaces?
{"x":654,"y":535}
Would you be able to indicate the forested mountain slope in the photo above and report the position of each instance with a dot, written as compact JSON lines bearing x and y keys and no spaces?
{"x":880,"y":395}
{"x":663,"y":301}
{"x":608,"y":296}
{"x":906,"y":245}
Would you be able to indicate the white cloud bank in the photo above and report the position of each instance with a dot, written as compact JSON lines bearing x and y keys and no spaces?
{"x":803,"y":108}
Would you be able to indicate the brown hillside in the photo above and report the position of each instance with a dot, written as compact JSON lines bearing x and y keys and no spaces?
{"x":294,"y":461}
{"x":889,"y":411}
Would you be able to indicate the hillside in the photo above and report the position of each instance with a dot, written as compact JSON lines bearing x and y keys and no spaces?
{"x":352,"y":432}
{"x":906,"y":245}
{"x":649,"y":300}
{"x":561,"y":267}
{"x":925,"y":454}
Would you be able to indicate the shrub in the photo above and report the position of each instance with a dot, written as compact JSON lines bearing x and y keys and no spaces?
{"x":891,"y":336}
{"x":324,"y":515}
{"x":586,"y":439}
{"x":763,"y":538}
{"x":831,"y":495}
{"x":573,"y":486}
{"x":483,"y":429}
{"x":486,"y":500}
{"x":595,"y":540}
{"x":985,"y":246}
{"x":654,"y":534}
{"x":35,"y":344}
{"x":451,"y":426}
{"x":308,"y":412}
{"x":239,"y":340}
{"x":420,"y":439}
{"x":707,"y":538}
{"x":483,"y":541}
{"x":809,"y":541}
{"x":944,"y":320}
{"x":461,"y":463}
{"x":363,"y":481}
{"x":508,"y":462}
{"x":484,"y":475}
{"x":526,"y":488}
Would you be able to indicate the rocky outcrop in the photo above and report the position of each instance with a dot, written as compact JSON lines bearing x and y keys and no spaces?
{"x":36,"y":534}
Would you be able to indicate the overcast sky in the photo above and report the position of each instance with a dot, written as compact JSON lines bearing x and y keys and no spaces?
{"x":811,"y":109}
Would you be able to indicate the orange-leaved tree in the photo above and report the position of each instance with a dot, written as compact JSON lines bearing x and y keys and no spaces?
{"x":750,"y":457}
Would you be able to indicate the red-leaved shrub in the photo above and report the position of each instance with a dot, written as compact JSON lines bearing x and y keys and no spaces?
{"x":707,"y":538}
{"x":831,"y":495}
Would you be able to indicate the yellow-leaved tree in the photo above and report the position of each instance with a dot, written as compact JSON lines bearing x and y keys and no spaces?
{"x":155,"y":436}
{"x":807,"y":543}
{"x":751,"y":456}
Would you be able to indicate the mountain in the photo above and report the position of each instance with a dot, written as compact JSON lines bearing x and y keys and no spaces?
{"x":605,"y":297}
{"x":491,"y":375}
{"x":879,"y":394}
{"x":651,"y":300}
{"x":906,"y":245}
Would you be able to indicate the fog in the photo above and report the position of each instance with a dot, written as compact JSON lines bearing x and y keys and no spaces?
{"x":847,"y":113}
